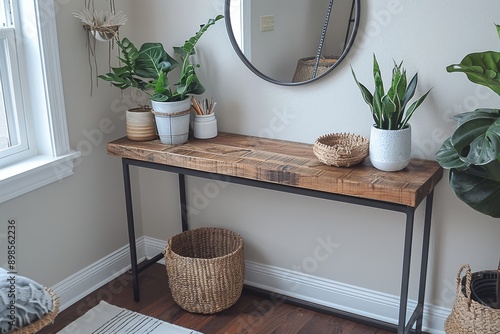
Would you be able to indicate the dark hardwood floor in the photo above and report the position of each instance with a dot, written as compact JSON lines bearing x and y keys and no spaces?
{"x":252,"y":313}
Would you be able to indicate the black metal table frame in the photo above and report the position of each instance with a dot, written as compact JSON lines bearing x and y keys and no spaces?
{"x":402,"y":327}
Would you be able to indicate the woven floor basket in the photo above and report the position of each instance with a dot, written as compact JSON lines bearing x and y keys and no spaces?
{"x":468,"y":316}
{"x":341,"y":149}
{"x":206,"y":269}
{"x":43,"y":321}
{"x":305,"y":67}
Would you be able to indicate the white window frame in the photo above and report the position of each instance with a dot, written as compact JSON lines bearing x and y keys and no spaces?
{"x":12,"y":94}
{"x":51,"y":158}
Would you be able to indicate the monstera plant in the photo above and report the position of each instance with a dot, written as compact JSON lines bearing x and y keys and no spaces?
{"x":472,"y":153}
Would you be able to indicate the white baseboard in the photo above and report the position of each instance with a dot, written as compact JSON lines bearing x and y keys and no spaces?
{"x":340,"y":296}
{"x":99,"y":273}
{"x":295,"y":284}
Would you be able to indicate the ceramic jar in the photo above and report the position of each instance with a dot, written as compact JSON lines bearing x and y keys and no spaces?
{"x":205,"y":126}
{"x":140,"y":124}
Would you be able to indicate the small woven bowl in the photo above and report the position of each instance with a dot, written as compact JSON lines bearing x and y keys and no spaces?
{"x":341,"y":149}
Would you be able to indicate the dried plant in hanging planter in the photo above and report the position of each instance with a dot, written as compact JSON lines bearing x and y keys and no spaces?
{"x":103,"y":26}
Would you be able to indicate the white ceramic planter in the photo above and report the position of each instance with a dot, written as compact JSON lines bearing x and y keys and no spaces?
{"x":140,"y":124}
{"x":390,"y":150}
{"x":205,"y":126}
{"x":172,"y":121}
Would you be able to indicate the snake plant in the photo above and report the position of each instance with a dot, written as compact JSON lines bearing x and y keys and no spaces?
{"x":472,"y":153}
{"x":389,"y":109}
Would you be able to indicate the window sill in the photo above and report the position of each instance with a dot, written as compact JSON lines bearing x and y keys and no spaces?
{"x":30,"y":174}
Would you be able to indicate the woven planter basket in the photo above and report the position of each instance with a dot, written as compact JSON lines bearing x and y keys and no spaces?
{"x":468,"y":316}
{"x":341,"y":149}
{"x":46,"y":320}
{"x":206,"y":269}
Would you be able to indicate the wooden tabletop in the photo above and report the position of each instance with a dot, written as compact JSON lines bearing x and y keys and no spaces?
{"x":287,"y":163}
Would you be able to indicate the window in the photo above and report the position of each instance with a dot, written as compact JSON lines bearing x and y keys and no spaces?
{"x":13,"y":135}
{"x":240,"y":12}
{"x":34,"y":143}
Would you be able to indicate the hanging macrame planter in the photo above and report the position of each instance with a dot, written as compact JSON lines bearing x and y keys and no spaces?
{"x":103,"y":26}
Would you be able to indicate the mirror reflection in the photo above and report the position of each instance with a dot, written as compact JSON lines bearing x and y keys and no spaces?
{"x":292,"y":42}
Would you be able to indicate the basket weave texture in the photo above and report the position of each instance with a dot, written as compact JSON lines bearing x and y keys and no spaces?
{"x":305,"y":67}
{"x":341,"y":149}
{"x":46,"y":320}
{"x":468,"y":316}
{"x":206,"y":269}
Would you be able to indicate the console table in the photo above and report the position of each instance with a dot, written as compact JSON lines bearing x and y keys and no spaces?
{"x":291,"y":167}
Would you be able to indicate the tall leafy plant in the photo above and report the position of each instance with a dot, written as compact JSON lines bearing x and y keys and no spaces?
{"x":148,"y":67}
{"x":472,"y":153}
{"x":389,"y":109}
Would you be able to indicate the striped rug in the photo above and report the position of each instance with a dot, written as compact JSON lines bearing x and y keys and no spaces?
{"x":109,"y":319}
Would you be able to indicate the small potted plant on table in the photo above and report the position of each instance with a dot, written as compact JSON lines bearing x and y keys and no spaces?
{"x":147,"y":69}
{"x":390,"y":137}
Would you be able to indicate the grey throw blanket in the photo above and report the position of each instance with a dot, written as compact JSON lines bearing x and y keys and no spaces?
{"x":22,"y":301}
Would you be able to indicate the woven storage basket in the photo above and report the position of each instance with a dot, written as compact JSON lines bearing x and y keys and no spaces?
{"x":305,"y":67}
{"x":206,"y":269}
{"x":468,"y":316}
{"x":46,"y":320}
{"x":341,"y":149}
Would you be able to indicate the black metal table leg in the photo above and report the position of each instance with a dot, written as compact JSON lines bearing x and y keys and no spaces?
{"x":131,"y":230}
{"x":184,"y":208}
{"x":425,"y":258}
{"x":405,"y":281}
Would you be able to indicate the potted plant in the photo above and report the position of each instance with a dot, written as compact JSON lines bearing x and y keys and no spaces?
{"x":390,"y":136}
{"x":472,"y":154}
{"x":147,"y":69}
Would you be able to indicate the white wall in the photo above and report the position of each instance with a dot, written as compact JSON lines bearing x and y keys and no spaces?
{"x":67,"y":226}
{"x":281,"y":229}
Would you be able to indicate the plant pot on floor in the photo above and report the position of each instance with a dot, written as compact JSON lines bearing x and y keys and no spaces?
{"x":390,"y":150}
{"x":140,"y":124}
{"x":172,"y":121}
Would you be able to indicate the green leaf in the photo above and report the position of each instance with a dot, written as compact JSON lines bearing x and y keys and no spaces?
{"x":367,"y":96}
{"x":481,"y":194}
{"x":448,"y":157}
{"x":152,"y":60}
{"x":412,"y":109}
{"x":389,"y":108}
{"x":477,"y":138}
{"x":410,"y":91}
{"x":188,"y":47}
{"x":481,"y":68}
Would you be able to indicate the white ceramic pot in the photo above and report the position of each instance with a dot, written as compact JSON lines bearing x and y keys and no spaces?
{"x":172,"y":121}
{"x":140,"y":124}
{"x":205,"y":126}
{"x":390,"y":150}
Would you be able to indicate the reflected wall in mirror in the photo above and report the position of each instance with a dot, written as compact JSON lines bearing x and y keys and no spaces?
{"x":292,"y":42}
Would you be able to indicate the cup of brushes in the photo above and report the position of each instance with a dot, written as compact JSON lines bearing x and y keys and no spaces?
{"x":205,"y":123}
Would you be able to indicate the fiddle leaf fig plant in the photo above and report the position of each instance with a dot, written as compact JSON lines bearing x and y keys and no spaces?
{"x":389,"y":109}
{"x":148,"y":67}
{"x":472,"y":153}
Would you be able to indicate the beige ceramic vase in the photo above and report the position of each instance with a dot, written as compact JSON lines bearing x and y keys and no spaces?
{"x":140,"y":124}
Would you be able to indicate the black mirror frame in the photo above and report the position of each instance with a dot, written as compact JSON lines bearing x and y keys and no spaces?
{"x":236,"y":47}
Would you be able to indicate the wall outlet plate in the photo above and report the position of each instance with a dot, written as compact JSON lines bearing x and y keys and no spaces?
{"x":267,"y":23}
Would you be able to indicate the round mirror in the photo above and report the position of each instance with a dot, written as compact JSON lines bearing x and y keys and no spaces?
{"x":292,"y":42}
